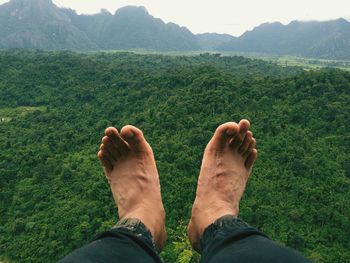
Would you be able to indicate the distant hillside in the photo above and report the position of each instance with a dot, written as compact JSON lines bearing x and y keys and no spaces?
{"x":210,"y":41}
{"x":133,"y":27}
{"x":39,"y":24}
{"x":330,"y":39}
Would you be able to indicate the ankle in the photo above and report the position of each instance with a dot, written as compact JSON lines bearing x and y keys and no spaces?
{"x":155,"y":224}
{"x":206,"y":215}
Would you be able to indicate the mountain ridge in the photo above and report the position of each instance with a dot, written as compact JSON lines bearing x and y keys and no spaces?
{"x":40,"y":24}
{"x":328,"y":39}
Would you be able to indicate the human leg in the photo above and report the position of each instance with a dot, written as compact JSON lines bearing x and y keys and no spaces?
{"x":128,"y":241}
{"x":230,"y":239}
{"x":131,"y":171}
{"x":214,"y":229}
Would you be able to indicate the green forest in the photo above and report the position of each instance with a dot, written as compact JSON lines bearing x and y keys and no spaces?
{"x":55,"y":106}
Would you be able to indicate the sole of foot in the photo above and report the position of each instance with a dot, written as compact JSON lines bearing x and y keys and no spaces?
{"x":227,"y":163}
{"x":130,"y":168}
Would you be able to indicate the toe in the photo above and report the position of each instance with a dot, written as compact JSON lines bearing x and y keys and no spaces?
{"x":105,"y":161}
{"x":224,"y":134}
{"x":243,"y":129}
{"x":109,"y":149}
{"x":246,"y":142}
{"x":108,"y":156}
{"x":250,"y":148}
{"x":116,"y":139}
{"x":251,"y":159}
{"x":134,"y":137}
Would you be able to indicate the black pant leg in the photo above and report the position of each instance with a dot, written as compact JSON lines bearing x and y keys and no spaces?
{"x":231,"y":240}
{"x":129,"y":241}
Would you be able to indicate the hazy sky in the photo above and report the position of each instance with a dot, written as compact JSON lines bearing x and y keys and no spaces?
{"x":222,"y":16}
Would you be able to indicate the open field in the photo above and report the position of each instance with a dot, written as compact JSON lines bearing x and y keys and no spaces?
{"x":306,"y":63}
{"x":284,"y":61}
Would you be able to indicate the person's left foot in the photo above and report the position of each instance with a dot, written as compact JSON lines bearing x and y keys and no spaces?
{"x":227,"y":163}
{"x":131,"y":170}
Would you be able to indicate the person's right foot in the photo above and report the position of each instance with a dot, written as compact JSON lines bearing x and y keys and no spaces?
{"x":227,"y":163}
{"x":132,"y":174}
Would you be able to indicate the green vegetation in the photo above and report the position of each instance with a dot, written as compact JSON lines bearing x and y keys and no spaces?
{"x":284,"y":61}
{"x":7,"y":114}
{"x":54,"y":197}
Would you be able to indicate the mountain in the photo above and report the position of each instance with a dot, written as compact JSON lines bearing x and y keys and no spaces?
{"x":39,"y":24}
{"x":92,"y":25}
{"x":329,"y":39}
{"x":133,"y":27}
{"x":210,"y":41}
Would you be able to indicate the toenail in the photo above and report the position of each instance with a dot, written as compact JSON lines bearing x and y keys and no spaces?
{"x":230,"y":132}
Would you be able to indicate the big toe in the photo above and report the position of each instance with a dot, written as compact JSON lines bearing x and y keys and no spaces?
{"x":224,"y":134}
{"x":116,"y":139}
{"x":134,"y":137}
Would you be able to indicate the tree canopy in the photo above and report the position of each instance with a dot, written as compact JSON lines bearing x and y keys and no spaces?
{"x":54,"y":107}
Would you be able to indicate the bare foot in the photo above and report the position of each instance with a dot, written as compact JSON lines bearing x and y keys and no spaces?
{"x":132,"y":174}
{"x":227,"y":163}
